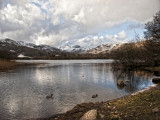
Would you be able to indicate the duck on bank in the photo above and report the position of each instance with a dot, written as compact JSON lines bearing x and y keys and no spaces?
{"x":94,"y":96}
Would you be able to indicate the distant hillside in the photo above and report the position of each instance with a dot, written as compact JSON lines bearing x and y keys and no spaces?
{"x":74,"y":48}
{"x":21,"y":49}
{"x":104,"y":48}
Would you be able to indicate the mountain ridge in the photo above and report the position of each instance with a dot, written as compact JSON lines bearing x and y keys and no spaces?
{"x":20,"y":49}
{"x":29,"y":50}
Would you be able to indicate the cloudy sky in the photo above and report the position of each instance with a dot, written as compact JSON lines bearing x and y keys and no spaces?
{"x":83,"y":22}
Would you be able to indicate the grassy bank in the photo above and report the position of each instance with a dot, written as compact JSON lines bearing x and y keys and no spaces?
{"x":142,"y":106}
{"x":7,"y":65}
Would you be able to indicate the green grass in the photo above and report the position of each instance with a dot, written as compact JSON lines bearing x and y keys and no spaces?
{"x":139,"y":106}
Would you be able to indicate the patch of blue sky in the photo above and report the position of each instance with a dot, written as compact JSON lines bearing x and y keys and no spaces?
{"x":38,"y":5}
{"x":62,"y":20}
{"x":130,"y":27}
{"x":3,"y":5}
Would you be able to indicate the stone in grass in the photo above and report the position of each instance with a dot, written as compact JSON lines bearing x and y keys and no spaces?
{"x":155,"y":110}
{"x":101,"y":115}
{"x":156,"y":80}
{"x":90,"y":115}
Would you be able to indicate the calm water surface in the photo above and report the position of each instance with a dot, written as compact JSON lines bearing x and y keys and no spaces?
{"x":23,"y":90}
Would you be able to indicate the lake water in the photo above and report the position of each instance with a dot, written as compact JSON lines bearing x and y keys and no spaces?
{"x":23,"y":90}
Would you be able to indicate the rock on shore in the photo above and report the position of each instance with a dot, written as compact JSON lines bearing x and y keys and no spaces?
{"x":90,"y":115}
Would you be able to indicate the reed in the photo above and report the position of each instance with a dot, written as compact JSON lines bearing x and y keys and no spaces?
{"x":6,"y":64}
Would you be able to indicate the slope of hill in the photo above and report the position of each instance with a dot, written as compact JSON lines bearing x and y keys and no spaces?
{"x":73,"y":48}
{"x":104,"y":48}
{"x":22,"y":49}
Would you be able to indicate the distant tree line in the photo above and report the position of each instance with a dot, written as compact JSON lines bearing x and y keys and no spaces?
{"x":5,"y":55}
{"x":68,"y":55}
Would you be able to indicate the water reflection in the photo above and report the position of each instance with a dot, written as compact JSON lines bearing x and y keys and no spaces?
{"x":134,"y":80}
{"x":23,"y":90}
{"x":157,"y":73}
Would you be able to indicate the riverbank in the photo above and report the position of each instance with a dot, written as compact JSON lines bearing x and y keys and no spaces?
{"x":7,"y":64}
{"x":144,"y":105}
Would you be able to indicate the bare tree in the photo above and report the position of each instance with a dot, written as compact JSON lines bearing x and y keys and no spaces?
{"x":152,"y":36}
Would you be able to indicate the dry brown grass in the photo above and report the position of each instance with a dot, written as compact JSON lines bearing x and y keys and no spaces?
{"x":5,"y":64}
{"x":153,"y":68}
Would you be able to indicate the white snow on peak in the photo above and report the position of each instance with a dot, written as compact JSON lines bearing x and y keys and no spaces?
{"x":104,"y":48}
{"x":30,"y":45}
{"x":91,"y":42}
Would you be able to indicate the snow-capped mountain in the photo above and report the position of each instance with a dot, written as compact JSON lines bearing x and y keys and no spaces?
{"x":104,"y":48}
{"x":21,"y":49}
{"x":73,"y":48}
{"x":86,"y":44}
{"x":30,"y":45}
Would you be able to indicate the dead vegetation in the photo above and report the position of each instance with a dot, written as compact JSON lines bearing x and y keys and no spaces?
{"x":7,"y":64}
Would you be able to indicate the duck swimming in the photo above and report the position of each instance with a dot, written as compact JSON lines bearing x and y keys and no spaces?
{"x":49,"y":96}
{"x":94,"y":96}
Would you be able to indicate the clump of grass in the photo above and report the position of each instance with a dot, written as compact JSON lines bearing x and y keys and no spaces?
{"x":6,"y":64}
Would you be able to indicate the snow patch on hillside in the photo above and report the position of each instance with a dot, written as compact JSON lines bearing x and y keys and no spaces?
{"x":23,"y":56}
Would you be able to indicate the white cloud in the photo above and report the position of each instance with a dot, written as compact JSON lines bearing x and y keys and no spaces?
{"x":50,"y":39}
{"x":54,"y":21}
{"x":122,"y":35}
{"x":20,"y":22}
